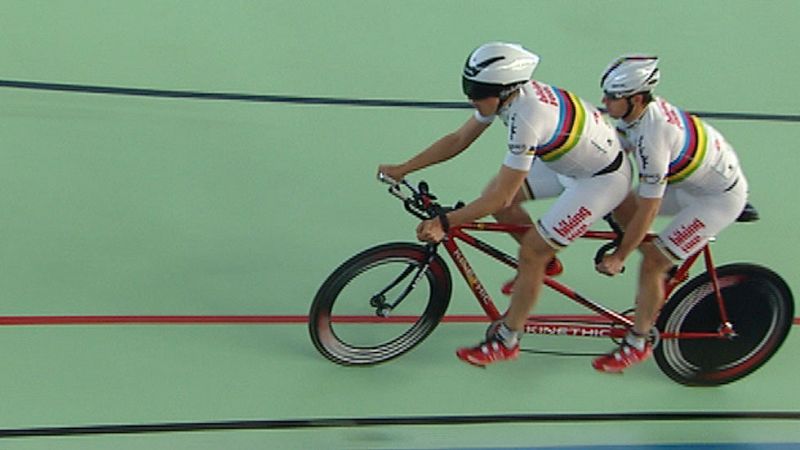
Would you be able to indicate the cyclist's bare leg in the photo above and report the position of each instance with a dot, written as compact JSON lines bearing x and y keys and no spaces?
{"x":650,"y":295}
{"x":635,"y":348}
{"x":513,"y":213}
{"x":534,"y":254}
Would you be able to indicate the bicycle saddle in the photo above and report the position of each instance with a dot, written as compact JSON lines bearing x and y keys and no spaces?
{"x":748,"y":214}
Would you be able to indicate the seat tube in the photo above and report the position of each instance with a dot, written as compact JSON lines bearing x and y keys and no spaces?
{"x":712,"y":272}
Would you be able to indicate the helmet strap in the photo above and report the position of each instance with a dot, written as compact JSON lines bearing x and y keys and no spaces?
{"x":630,"y":107}
{"x":628,"y":113}
{"x":506,"y":93}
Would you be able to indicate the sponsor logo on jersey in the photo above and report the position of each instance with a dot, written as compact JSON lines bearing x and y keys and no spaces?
{"x":545,"y":94}
{"x":600,"y":147}
{"x":651,"y":178}
{"x":512,"y":127}
{"x":670,"y":114}
{"x":640,"y":148}
{"x":517,"y":149}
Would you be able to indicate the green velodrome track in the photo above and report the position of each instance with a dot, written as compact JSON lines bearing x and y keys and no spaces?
{"x":115,"y":205}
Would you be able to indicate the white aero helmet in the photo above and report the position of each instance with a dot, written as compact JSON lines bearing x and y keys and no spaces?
{"x":630,"y":74}
{"x":496,"y":69}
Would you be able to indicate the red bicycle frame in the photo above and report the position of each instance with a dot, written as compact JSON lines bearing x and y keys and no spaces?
{"x":606,"y":323}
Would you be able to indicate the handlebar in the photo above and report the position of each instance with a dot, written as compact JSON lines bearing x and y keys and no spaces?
{"x":610,"y":246}
{"x":419,"y":200}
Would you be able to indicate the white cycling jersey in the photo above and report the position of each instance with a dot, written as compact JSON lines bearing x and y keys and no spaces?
{"x":580,"y":158}
{"x":568,"y":134}
{"x":676,"y":148}
{"x":689,"y":165}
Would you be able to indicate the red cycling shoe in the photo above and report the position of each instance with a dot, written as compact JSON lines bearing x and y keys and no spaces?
{"x":488,"y":352}
{"x":622,"y":358}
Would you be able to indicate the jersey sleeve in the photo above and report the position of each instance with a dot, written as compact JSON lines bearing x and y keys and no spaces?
{"x":522,"y":141}
{"x":652,"y":159}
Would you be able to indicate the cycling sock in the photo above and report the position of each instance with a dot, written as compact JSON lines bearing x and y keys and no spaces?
{"x":507,"y":336}
{"x":635,"y":340}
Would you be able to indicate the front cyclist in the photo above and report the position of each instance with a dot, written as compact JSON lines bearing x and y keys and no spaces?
{"x":558,"y":145}
{"x":686,"y":170}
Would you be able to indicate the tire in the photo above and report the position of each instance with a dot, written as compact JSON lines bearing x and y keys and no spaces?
{"x":344,"y":322}
{"x":760,"y":307}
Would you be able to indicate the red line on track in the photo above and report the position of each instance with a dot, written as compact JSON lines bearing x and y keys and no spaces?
{"x":177,"y":320}
{"x":273,"y":319}
{"x":148,"y":320}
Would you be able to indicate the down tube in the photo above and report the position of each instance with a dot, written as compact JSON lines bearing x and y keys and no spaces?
{"x":475,"y":285}
{"x":581,"y":300}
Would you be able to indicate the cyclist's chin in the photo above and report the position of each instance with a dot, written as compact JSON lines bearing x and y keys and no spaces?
{"x":486,"y":107}
{"x":614,"y":115}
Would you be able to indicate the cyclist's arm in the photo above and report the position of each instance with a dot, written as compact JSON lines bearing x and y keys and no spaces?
{"x":652,"y":159}
{"x":638,"y":225}
{"x":443,"y":149}
{"x":497,"y":196}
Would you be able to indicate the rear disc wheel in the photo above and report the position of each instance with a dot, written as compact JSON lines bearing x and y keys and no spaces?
{"x":760,"y":309}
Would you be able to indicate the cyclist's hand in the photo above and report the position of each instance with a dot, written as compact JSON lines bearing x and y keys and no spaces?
{"x":610,"y":265}
{"x":395,"y":172}
{"x":430,"y":231}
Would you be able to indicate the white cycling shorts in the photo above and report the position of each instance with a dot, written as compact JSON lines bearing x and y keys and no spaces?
{"x":580,"y":203}
{"x":697,"y":218}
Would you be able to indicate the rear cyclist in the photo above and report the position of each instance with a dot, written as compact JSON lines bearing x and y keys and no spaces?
{"x":686,"y":170}
{"x":558,"y":146}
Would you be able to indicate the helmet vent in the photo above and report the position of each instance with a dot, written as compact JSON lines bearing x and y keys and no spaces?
{"x":472,"y":71}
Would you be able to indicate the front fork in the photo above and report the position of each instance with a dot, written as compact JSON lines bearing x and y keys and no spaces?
{"x":378,"y":300}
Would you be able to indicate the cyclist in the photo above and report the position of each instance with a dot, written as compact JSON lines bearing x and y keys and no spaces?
{"x":686,"y":170}
{"x":558,"y":145}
